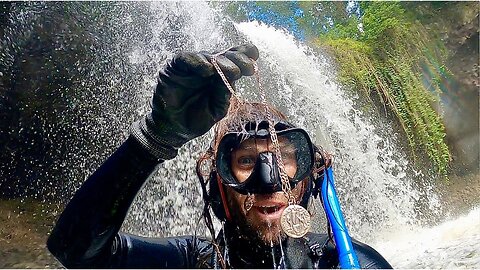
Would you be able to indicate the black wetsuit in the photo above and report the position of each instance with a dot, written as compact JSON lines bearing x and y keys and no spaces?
{"x":87,"y":233}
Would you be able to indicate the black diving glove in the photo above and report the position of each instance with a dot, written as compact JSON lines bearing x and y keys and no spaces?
{"x":190,"y":98}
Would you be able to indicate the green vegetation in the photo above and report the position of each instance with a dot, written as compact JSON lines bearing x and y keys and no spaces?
{"x":388,"y":50}
{"x":391,"y":56}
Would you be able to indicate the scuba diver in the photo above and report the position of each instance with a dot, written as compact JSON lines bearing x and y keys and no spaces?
{"x":245,"y":184}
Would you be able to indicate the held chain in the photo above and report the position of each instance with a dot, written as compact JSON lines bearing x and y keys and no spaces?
{"x":295,"y":220}
{"x":286,"y":188}
{"x":222,"y":75}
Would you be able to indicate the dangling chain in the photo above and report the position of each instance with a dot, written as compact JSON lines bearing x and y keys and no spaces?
{"x":222,"y":75}
{"x":235,"y":100}
{"x":295,"y":220}
{"x":286,"y":188}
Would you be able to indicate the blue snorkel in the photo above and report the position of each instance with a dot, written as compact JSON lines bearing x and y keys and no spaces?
{"x":346,"y":254}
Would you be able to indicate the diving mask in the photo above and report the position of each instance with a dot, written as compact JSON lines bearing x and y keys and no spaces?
{"x":246,"y":160}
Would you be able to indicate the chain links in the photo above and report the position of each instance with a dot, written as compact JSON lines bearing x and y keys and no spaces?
{"x":286,"y":188}
{"x":222,"y":75}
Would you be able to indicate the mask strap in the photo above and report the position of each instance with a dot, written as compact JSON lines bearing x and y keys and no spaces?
{"x":224,"y":199}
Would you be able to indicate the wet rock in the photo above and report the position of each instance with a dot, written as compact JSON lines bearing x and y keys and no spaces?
{"x":23,"y":236}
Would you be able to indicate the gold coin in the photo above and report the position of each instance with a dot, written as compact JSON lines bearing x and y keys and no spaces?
{"x":295,"y":221}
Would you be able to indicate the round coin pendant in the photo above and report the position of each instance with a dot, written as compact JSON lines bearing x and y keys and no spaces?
{"x":295,"y":221}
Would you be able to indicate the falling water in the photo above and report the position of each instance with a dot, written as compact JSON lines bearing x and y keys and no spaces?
{"x":371,"y":180}
{"x":379,"y":188}
{"x":375,"y":181}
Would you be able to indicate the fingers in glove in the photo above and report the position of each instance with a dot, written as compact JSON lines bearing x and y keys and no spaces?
{"x":242,"y":61}
{"x":195,"y":63}
{"x":248,"y":49}
{"x":231,"y":71}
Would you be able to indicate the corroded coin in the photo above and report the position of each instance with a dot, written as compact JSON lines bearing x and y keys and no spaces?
{"x":295,"y":221}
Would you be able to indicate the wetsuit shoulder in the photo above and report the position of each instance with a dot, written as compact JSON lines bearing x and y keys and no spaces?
{"x":130,"y":251}
{"x":368,"y":257}
{"x":324,"y":249}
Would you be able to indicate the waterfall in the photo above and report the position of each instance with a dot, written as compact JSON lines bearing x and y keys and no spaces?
{"x":374,"y":183}
{"x":386,"y":200}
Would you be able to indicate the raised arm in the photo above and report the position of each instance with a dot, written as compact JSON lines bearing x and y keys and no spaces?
{"x":189,"y":98}
{"x":85,"y":231}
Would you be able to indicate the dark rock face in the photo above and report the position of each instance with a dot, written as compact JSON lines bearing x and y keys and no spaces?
{"x":39,"y":76}
{"x":461,"y":110}
{"x":455,"y":24}
{"x":59,"y":70}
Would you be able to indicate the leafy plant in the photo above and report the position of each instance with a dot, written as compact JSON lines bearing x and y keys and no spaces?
{"x":390,"y":56}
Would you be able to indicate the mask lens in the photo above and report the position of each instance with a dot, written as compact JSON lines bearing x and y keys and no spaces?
{"x":301,"y":153}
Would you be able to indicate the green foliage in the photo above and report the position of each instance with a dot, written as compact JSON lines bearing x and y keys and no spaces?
{"x":390,"y":56}
{"x":382,"y":18}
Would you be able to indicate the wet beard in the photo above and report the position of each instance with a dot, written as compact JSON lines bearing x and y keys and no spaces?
{"x":257,"y":232}
{"x":250,"y":245}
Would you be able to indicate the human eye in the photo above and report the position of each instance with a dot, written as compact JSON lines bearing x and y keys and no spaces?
{"x":246,"y":160}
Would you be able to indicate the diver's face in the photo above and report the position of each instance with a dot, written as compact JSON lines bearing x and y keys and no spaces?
{"x":262,"y":221}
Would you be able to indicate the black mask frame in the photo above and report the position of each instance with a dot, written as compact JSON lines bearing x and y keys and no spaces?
{"x":265,"y":176}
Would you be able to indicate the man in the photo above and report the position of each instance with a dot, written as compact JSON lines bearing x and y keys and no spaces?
{"x":246,"y":191}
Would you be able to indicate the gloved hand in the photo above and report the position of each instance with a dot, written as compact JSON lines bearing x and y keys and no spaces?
{"x":190,"y":98}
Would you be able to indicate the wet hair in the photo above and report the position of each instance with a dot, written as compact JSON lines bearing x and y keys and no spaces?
{"x":239,"y":114}
{"x":243,"y":114}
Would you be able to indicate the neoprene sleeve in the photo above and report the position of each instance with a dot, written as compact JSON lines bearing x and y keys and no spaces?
{"x":91,"y":220}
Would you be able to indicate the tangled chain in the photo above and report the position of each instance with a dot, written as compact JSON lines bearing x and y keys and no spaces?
{"x":286,"y":188}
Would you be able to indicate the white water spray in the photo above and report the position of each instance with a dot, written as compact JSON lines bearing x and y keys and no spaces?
{"x":376,"y":191}
{"x":452,"y":244}
{"x":129,"y":42}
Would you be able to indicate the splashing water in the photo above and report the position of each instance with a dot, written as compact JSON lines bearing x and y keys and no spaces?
{"x":374,"y":181}
{"x":379,"y":198}
{"x":373,"y":198}
{"x":376,"y":184}
{"x":452,"y":244}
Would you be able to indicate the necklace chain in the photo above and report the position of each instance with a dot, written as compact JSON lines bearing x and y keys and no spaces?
{"x":223,"y":77}
{"x":286,"y":188}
